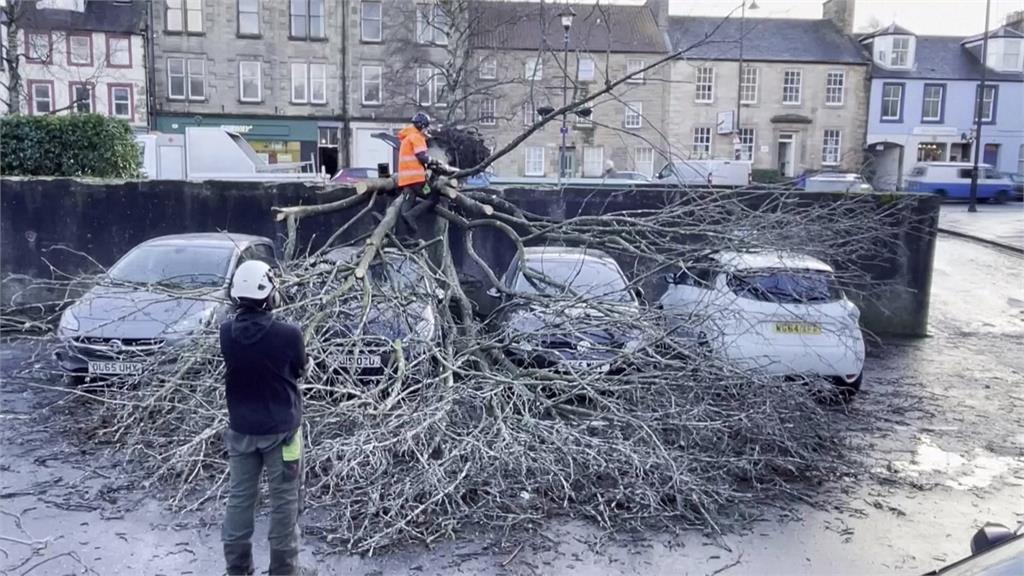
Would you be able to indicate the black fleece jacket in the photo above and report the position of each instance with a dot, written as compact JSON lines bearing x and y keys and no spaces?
{"x":264,"y":359}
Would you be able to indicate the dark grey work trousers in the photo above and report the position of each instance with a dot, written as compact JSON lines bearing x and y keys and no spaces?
{"x":281,"y":455}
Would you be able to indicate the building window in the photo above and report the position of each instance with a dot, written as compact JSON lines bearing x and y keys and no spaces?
{"x":530,"y":116}
{"x":585,"y":70}
{"x":634,"y":117}
{"x":931,"y":152}
{"x":534,"y":69}
{"x":791,"y":81}
{"x":701,"y":142}
{"x":40,"y":96}
{"x":431,"y":24}
{"x":534,"y":161}
{"x":300,"y":84}
{"x":424,"y":86}
{"x":1011,"y":54}
{"x":184,"y":16}
{"x":248,"y":17}
{"x":81,"y":98}
{"x":372,"y":89}
{"x":593,"y":161}
{"x":80,"y":49}
{"x":634,"y":65}
{"x":371,"y":21}
{"x":933,"y":106}
{"x":40,"y":47}
{"x":488,"y":68}
{"x":307,"y":19}
{"x":705,"y":83}
{"x":747,"y":136}
{"x":251,"y":86}
{"x":318,"y":83}
{"x":487,"y":111}
{"x":988,"y":104}
{"x":643,"y":159}
{"x":186,"y":79}
{"x":900,"y":52}
{"x":748,"y":86}
{"x":585,"y":121}
{"x":831,"y":147}
{"x":835,"y":88}
{"x":121,"y":101}
{"x":892,"y":102}
{"x":119,"y":51}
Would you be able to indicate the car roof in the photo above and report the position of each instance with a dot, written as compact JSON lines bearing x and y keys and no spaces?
{"x":955,"y":164}
{"x":209,"y":239}
{"x":768,"y":259}
{"x":564,"y":253}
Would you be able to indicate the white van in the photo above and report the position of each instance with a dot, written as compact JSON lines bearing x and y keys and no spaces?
{"x":714,"y":173}
{"x":952,"y":180}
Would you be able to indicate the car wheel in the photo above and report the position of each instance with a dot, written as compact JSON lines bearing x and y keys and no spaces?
{"x":1001,"y":197}
{"x":847,"y":390}
{"x":942,"y":194}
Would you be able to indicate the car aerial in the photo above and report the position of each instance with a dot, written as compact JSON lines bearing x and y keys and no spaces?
{"x":566,"y":310}
{"x":777,"y":313}
{"x":364,"y":340}
{"x":159,"y":295}
{"x":353,"y":175}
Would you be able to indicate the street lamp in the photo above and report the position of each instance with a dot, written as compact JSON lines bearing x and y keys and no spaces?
{"x":566,"y":16}
{"x":979,"y":107}
{"x":739,"y":82}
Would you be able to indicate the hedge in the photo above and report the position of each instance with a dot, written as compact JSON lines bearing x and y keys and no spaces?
{"x":767,"y":176}
{"x":68,"y":145}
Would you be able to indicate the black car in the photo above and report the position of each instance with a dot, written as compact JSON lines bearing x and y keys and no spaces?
{"x":995,"y":551}
{"x":567,"y":310}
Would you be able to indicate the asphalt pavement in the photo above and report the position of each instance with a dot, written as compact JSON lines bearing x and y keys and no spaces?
{"x":999,"y":224}
{"x":937,"y":427}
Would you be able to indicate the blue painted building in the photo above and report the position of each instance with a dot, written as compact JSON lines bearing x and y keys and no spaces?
{"x":922,"y":101}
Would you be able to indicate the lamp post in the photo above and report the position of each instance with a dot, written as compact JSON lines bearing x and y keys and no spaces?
{"x":739,"y":81}
{"x":979,"y":106}
{"x":566,"y":17}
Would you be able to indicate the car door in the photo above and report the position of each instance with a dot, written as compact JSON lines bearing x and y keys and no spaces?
{"x":689,"y":294}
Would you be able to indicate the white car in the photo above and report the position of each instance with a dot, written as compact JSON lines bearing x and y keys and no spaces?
{"x":779,"y":313}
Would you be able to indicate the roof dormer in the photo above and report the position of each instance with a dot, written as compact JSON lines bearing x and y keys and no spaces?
{"x":892,"y":47}
{"x":1005,"y":49}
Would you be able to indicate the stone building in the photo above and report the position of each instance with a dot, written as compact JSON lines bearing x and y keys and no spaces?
{"x":803,"y":93}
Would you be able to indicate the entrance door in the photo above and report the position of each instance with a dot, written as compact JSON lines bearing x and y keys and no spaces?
{"x":990,"y":153}
{"x":787,"y":154}
{"x":327,"y":150}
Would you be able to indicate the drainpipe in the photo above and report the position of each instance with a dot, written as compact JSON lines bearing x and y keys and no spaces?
{"x":346,"y":127}
{"x":151,"y":58}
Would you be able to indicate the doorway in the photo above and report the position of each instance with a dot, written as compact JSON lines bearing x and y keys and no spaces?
{"x":990,"y":155}
{"x":327,"y":150}
{"x":787,"y":154}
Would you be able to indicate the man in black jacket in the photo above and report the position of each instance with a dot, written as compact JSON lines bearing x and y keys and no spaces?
{"x":264,"y":359}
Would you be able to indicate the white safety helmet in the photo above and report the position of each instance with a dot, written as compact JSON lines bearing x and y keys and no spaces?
{"x":254,"y":280}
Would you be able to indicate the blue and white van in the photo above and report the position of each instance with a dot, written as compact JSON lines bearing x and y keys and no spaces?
{"x":952,"y":180}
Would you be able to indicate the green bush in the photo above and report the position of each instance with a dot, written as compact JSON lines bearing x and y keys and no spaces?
{"x":68,"y":145}
{"x":766,"y":176}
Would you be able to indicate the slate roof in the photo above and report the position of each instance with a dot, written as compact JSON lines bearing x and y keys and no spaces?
{"x":891,"y":29}
{"x":99,"y":16}
{"x":943,"y":58}
{"x":1001,"y":32}
{"x":765,"y":40}
{"x":596,"y":28}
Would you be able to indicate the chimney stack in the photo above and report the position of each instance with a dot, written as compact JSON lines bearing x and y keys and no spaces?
{"x":659,"y":8}
{"x":841,"y":12}
{"x":1015,"y":20}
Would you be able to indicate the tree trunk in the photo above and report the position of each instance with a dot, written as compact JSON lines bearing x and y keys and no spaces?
{"x":11,"y":59}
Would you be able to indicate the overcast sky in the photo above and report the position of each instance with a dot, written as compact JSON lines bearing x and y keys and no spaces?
{"x":946,"y":17}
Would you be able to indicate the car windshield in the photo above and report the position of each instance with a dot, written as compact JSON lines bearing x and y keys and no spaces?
{"x":786,"y":286}
{"x":586,"y":277}
{"x":178,"y":265}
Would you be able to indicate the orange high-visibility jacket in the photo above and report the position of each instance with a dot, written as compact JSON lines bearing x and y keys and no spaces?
{"x":410,"y":171}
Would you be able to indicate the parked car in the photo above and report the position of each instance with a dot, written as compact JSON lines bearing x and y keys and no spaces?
{"x":353,"y":175}
{"x":567,"y":310}
{"x":995,"y":551}
{"x":402,"y":309}
{"x":836,"y":182}
{"x":1018,"y":184}
{"x":714,"y":173}
{"x":952,"y":181}
{"x":162,"y":293}
{"x":773,"y":312}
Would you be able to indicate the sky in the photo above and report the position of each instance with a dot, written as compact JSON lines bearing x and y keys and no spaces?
{"x":937,"y":17}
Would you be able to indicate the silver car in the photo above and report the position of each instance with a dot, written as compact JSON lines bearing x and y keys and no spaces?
{"x":159,"y":295}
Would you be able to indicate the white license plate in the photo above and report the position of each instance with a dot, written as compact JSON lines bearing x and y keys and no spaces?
{"x":133,"y":368}
{"x":800,"y":328}
{"x":358,"y":360}
{"x":595,"y":365}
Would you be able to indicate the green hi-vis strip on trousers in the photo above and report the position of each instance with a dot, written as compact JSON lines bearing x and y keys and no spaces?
{"x":292,"y":450}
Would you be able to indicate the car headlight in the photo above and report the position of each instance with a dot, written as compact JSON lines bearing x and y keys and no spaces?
{"x":68,"y":323}
{"x":424,"y":329}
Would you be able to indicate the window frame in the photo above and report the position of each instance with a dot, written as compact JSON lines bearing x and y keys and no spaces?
{"x":424,"y":84}
{"x":92,"y":97}
{"x":307,"y":31}
{"x":826,"y":149}
{"x":941,"y":118}
{"x":538,"y":69}
{"x":899,"y":114}
{"x":259,"y":82}
{"x":92,"y":57}
{"x":29,"y":45}
{"x":799,"y":75}
{"x":639,"y":78}
{"x":363,"y":20}
{"x":753,"y":144}
{"x":427,"y":31}
{"x":526,"y":161}
{"x":829,"y":86}
{"x":304,"y":76}
{"x":259,"y":22}
{"x":310,"y":82}
{"x":530,"y":115}
{"x":31,"y":86}
{"x":111,"y":104}
{"x":744,"y":84}
{"x":128,"y":41}
{"x":363,"y":69}
{"x":600,"y":162}
{"x":488,"y":120}
{"x":189,"y":76}
{"x":704,"y":84}
{"x":893,"y":51}
{"x":638,"y":109}
{"x":579,"y":69}
{"x":992,"y":109}
{"x":184,"y":10}
{"x":702,"y":131}
{"x":488,"y":62}
{"x":183,"y":76}
{"x":636,"y":160}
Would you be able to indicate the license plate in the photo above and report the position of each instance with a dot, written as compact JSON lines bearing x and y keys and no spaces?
{"x":798,"y":328}
{"x":595,"y":365}
{"x":358,"y":360}
{"x":132,"y":368}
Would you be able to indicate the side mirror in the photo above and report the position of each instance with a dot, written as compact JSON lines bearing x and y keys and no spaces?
{"x":989,"y":536}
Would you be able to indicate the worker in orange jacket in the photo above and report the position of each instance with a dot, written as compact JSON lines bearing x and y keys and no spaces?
{"x":413,"y":162}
